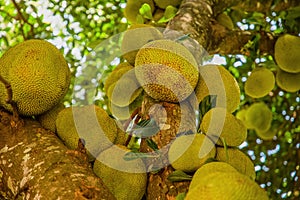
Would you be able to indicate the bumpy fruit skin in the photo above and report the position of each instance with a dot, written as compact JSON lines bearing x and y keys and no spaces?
{"x":90,"y":123}
{"x":38,"y":74}
{"x":48,"y":119}
{"x":287,"y":53}
{"x":226,"y":185}
{"x":132,"y":8}
{"x":166,"y":70}
{"x":237,"y":159}
{"x":125,"y":179}
{"x":164,"y":3}
{"x":217,"y":81}
{"x":189,"y":152}
{"x":259,"y":83}
{"x":218,"y":124}
{"x":136,"y":36}
{"x":288,"y":81}
{"x":259,"y":116}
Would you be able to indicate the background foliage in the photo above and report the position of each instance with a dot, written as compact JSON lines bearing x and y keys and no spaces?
{"x":76,"y":27}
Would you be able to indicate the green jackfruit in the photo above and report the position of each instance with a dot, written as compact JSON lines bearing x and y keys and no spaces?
{"x":259,"y":116}
{"x":125,"y":179}
{"x":189,"y":152}
{"x":38,"y":74}
{"x":287,"y":53}
{"x":166,"y":70}
{"x":288,"y":81}
{"x":267,"y":135}
{"x":218,"y":124}
{"x":48,"y":119}
{"x":90,"y":123}
{"x":136,"y":36}
{"x":237,"y":159}
{"x":131,"y":10}
{"x":241,"y":115}
{"x":259,"y":83}
{"x":226,"y":185}
{"x":164,"y":3}
{"x":216,"y":80}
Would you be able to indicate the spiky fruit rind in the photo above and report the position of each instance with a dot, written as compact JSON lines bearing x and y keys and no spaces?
{"x":259,"y":116}
{"x":166,"y":70}
{"x":136,"y":36}
{"x":219,"y":124}
{"x":217,"y":81}
{"x":288,"y":81}
{"x":131,"y":10}
{"x":119,"y":174}
{"x":90,"y":123}
{"x":237,"y":159}
{"x":189,"y":152}
{"x":226,"y":185}
{"x":48,"y":119}
{"x":287,"y":53}
{"x":165,"y":3}
{"x":259,"y":83}
{"x":38,"y":74}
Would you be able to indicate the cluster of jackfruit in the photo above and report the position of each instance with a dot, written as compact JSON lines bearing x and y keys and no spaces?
{"x":220,"y":180}
{"x":287,"y":56}
{"x":156,"y":12}
{"x":259,"y":117}
{"x":92,"y":126}
{"x":38,"y":74}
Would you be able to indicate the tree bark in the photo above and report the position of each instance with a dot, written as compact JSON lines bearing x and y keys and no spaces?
{"x":35,"y":164}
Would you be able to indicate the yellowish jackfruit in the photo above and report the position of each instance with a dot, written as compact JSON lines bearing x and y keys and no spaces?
{"x":226,"y":185}
{"x":136,"y":36}
{"x":267,"y":135}
{"x":131,"y":10}
{"x":166,"y":70}
{"x":218,"y":124}
{"x":48,"y":119}
{"x":216,"y":80}
{"x":209,"y":168}
{"x":125,"y":179}
{"x":189,"y":152}
{"x":259,"y":116}
{"x":164,"y":3}
{"x":38,"y":74}
{"x":121,"y":136}
{"x":287,"y":53}
{"x":90,"y":123}
{"x":237,"y":159}
{"x":288,"y":81}
{"x":241,"y":115}
{"x":259,"y":83}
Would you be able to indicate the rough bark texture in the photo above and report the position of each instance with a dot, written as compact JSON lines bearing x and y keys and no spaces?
{"x":35,"y":164}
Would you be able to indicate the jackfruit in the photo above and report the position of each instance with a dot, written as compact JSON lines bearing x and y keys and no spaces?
{"x":125,"y":179}
{"x":164,"y":3}
{"x":259,"y":83}
{"x":189,"y":152}
{"x":38,"y":74}
{"x":226,"y":185}
{"x":288,"y":81}
{"x":237,"y":159}
{"x":166,"y":70}
{"x":267,"y":135}
{"x":259,"y":116}
{"x":121,"y":136}
{"x":287,"y":53}
{"x":131,"y":10}
{"x":48,"y":119}
{"x":116,"y":74}
{"x":216,"y":80}
{"x":209,"y":168}
{"x":135,"y":37}
{"x":90,"y":123}
{"x":241,"y":115}
{"x":218,"y":124}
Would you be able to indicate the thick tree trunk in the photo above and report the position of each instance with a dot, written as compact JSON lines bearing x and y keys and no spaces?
{"x":35,"y":164}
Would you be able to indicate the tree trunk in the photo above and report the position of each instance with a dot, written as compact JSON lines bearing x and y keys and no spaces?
{"x":35,"y":164}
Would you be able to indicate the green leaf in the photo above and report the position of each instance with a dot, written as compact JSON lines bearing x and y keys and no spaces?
{"x":152,"y":144}
{"x":145,"y":128}
{"x":179,"y":175}
{"x":170,"y":12}
{"x":181,"y":196}
{"x":146,"y":11}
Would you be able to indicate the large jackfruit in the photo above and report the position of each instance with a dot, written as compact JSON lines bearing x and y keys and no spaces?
{"x":288,"y":81}
{"x":38,"y":74}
